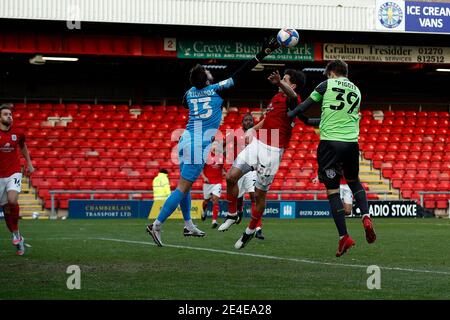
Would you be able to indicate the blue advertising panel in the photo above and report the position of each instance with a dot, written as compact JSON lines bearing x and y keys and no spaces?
{"x":392,"y":209}
{"x":312,"y":209}
{"x":272,"y":209}
{"x":427,"y":17}
{"x":99,"y":209}
{"x":223,"y":208}
{"x":144,"y":208}
{"x":122,"y":209}
{"x":287,"y":210}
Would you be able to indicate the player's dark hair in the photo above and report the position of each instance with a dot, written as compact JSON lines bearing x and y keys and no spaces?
{"x":339,"y":67}
{"x":247,"y":115}
{"x":162,"y":170}
{"x":198,"y":76}
{"x":5,"y":106}
{"x":297,"y":77}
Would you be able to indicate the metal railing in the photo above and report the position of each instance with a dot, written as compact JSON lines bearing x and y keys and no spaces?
{"x":132,"y":192}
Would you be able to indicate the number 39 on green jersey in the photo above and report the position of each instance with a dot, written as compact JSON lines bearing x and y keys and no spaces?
{"x":341,"y":100}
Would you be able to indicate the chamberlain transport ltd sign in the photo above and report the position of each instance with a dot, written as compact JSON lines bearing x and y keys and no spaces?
{"x":386,"y":53}
{"x":412,"y":16}
{"x":237,"y":50}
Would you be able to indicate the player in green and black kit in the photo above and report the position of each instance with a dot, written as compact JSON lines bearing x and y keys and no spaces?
{"x":338,"y":151}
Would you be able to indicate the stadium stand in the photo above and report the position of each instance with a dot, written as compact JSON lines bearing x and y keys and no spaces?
{"x":117,"y":147}
{"x":412,"y":150}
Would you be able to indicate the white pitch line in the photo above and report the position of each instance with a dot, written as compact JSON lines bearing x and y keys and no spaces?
{"x":275,"y":257}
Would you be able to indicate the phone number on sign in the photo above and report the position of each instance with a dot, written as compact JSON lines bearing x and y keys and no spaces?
{"x":431,"y":55}
{"x":431,"y":59}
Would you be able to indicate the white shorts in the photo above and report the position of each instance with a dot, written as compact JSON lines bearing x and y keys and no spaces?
{"x":209,"y":189}
{"x":262,"y":158}
{"x":13,"y":182}
{"x":346,"y":194}
{"x":246,"y":183}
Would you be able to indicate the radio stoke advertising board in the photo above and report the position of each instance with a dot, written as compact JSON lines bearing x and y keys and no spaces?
{"x":123,"y":209}
{"x":393,"y":209}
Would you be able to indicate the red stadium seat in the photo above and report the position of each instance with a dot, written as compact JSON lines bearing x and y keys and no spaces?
{"x":103,"y":140}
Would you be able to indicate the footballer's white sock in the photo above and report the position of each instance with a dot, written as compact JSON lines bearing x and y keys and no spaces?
{"x":232,"y":214}
{"x":157,"y":224}
{"x":249,"y":231}
{"x":189,"y":224}
{"x":214,"y":221}
{"x":258,"y":228}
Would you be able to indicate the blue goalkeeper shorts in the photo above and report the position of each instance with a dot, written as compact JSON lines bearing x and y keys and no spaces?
{"x":192,"y":157}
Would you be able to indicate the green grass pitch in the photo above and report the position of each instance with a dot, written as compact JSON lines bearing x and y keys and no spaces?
{"x":296,"y":261}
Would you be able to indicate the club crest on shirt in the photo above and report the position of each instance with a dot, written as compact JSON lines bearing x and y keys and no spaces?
{"x":13,"y":137}
{"x":330,"y":173}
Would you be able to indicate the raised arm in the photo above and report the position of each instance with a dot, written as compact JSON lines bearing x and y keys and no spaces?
{"x":275,"y":79}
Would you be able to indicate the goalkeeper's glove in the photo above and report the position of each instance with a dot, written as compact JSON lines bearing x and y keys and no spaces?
{"x":269,"y":46}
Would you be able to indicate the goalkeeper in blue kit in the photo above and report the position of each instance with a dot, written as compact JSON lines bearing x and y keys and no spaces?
{"x":204,"y":102}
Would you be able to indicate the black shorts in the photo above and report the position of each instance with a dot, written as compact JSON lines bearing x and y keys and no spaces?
{"x":337,"y":159}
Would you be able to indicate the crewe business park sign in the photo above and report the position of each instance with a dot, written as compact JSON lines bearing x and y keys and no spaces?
{"x":412,"y":16}
{"x":239,"y":50}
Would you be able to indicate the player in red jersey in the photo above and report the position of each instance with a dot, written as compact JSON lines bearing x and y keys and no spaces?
{"x":213,"y":173}
{"x":246,"y":183}
{"x":264,"y":153}
{"x":11,"y":141}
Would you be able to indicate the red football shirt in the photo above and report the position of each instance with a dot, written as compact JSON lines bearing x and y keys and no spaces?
{"x":10,"y":143}
{"x":213,"y":171}
{"x":276,"y":119}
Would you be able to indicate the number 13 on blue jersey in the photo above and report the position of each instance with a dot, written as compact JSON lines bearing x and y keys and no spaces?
{"x":202,"y":109}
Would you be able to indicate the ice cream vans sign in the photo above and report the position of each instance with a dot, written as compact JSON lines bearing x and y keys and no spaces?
{"x":393,"y":209}
{"x":412,"y":16}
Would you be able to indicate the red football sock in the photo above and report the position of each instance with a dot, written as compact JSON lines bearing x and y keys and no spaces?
{"x":215,"y":210}
{"x":12,"y":217}
{"x":232,"y":204}
{"x":240,"y":204}
{"x":205,"y":204}
{"x":256,"y":218}
{"x":259,"y":223}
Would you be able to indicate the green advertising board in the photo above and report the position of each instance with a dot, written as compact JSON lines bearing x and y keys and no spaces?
{"x":235,"y":50}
